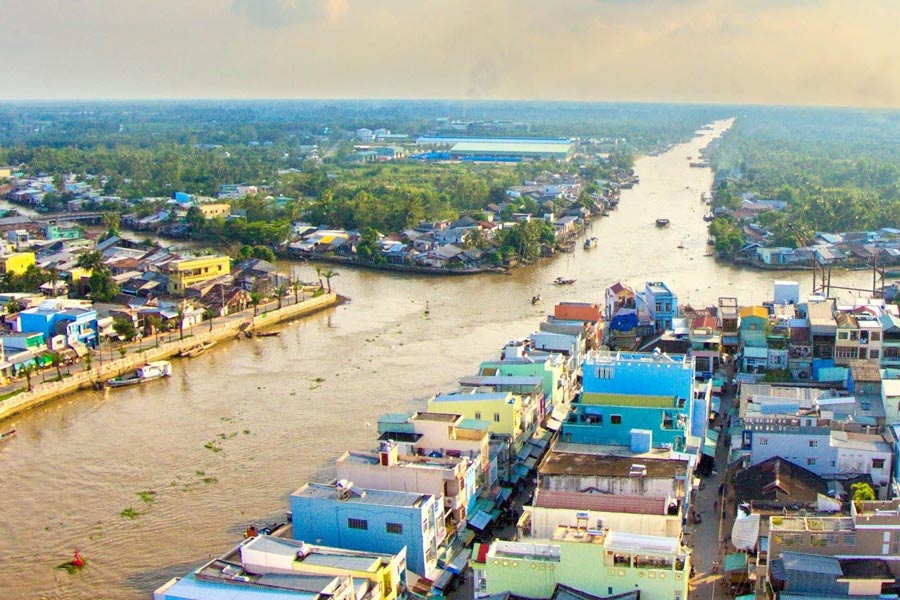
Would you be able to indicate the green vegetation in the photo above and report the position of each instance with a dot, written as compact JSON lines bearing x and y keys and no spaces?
{"x":147,"y":496}
{"x":836,"y":170}
{"x":129,"y":513}
{"x":861,"y":492}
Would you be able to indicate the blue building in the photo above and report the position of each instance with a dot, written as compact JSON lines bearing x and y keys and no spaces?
{"x":369,"y":520}
{"x":662,"y":304}
{"x":52,"y":318}
{"x":637,"y":400}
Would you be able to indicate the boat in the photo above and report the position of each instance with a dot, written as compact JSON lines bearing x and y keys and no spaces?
{"x":535,"y":299}
{"x":590,"y":243}
{"x":709,"y":217}
{"x":268,"y":333}
{"x":196,"y":350}
{"x":563,"y":281}
{"x":8,"y":435}
{"x":662,"y":222}
{"x":143,"y":374}
{"x":681,"y":245}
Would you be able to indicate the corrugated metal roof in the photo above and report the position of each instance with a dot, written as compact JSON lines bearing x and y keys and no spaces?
{"x":600,"y":502}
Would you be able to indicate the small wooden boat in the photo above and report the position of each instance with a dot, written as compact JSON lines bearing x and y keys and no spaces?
{"x":681,"y":245}
{"x":662,"y":222}
{"x":563,"y":281}
{"x":268,"y":333}
{"x":196,"y":350}
{"x":590,"y":243}
{"x":152,"y":370}
{"x":535,"y":299}
{"x":8,"y":435}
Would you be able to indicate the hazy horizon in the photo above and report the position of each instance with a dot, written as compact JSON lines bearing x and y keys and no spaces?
{"x":804,"y":53}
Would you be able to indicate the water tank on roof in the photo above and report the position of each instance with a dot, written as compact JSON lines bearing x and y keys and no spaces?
{"x":641,"y":440}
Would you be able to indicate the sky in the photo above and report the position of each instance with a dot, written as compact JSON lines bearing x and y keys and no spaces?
{"x":807,"y":52}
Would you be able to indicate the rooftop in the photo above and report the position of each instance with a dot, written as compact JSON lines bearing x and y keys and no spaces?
{"x":432,"y":416}
{"x":777,"y":480}
{"x":564,"y":463}
{"x":324,"y":491}
{"x":599,"y":502}
{"x":508,"y":397}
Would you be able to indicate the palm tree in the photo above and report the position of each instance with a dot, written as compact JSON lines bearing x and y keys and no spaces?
{"x":282,"y":290}
{"x":52,"y":278}
{"x":88,"y":361}
{"x":210,"y":313}
{"x":180,"y":318}
{"x":328,"y":274}
{"x":319,"y":274}
{"x":155,"y":324}
{"x":90,"y":260}
{"x":254,"y":300}
{"x":29,"y":370}
{"x":122,"y":351}
{"x":295,"y":283}
{"x":56,"y":359}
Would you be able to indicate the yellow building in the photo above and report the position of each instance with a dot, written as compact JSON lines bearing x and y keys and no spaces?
{"x":211,"y":211}
{"x":16,"y":262}
{"x":5,"y":172}
{"x":188,"y":271}
{"x":502,"y":411}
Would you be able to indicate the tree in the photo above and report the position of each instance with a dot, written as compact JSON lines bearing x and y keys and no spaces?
{"x":255,"y":299}
{"x":210,"y":313}
{"x":52,"y":278}
{"x":329,"y":274}
{"x":90,"y":260}
{"x":180,"y":318}
{"x":155,"y":324}
{"x":282,"y":290}
{"x":263,"y":253}
{"x":28,"y":370}
{"x":13,"y":306}
{"x":195,"y":220}
{"x":124,"y":326}
{"x":111,"y":222}
{"x":861,"y":492}
{"x":103,"y":286}
{"x":56,"y":359}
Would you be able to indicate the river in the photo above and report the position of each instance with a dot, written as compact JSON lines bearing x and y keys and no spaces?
{"x":288,"y":406}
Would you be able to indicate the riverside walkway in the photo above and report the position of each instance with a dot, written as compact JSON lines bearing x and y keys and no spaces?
{"x":223,"y":328}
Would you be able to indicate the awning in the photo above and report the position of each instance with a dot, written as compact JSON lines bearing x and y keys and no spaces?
{"x":480,"y":520}
{"x":735,"y":562}
{"x":466,"y":536}
{"x":442,"y":580}
{"x":484,"y":505}
{"x":459,"y":562}
{"x":503,"y":494}
{"x":480,"y":553}
{"x":745,"y":532}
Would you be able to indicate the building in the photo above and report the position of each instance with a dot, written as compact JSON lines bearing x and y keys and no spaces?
{"x":822,"y":328}
{"x":453,"y":481}
{"x":551,"y":368}
{"x":871,"y":531}
{"x":188,"y":271}
{"x":706,"y":345}
{"x":503,"y":412}
{"x":503,"y":148}
{"x":370,"y":520}
{"x":62,"y":231}
{"x":633,"y":398}
{"x":272,"y":568}
{"x":661,"y":304}
{"x":596,"y":561}
{"x":211,"y":211}
{"x":796,"y":575}
{"x":16,"y":262}
{"x":72,"y":320}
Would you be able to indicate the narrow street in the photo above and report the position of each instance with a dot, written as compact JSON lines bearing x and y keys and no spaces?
{"x":708,"y":538}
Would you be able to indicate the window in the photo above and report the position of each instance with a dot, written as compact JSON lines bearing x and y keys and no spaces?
{"x":865,"y":405}
{"x":873,"y":353}
{"x":358,"y":524}
{"x":477,"y":415}
{"x":810,"y":462}
{"x":615,"y":419}
{"x":496,"y":417}
{"x":849,"y":539}
{"x":813,"y":443}
{"x":604,"y":372}
{"x":877,"y":463}
{"x":875,"y":336}
{"x":394,"y":528}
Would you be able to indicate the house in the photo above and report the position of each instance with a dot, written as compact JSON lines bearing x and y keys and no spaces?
{"x":503,"y":411}
{"x":753,"y":326}
{"x":776,"y":484}
{"x":801,"y":575}
{"x":556,"y":380}
{"x":637,"y":400}
{"x":370,"y":520}
{"x":187,"y":271}
{"x":16,"y":262}
{"x":872,"y":530}
{"x":62,"y":231}
{"x":822,"y":328}
{"x":617,"y":297}
{"x":661,"y":304}
{"x":729,"y":318}
{"x":890,"y":342}
{"x":857,"y":336}
{"x":706,"y":344}
{"x":211,"y":211}
{"x":451,"y":480}
{"x":596,"y":561}
{"x":268,"y":567}
{"x":73,"y":320}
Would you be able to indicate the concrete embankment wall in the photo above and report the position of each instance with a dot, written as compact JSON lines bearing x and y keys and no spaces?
{"x":44,"y":392}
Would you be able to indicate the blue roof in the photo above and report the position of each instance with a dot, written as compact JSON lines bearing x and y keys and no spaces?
{"x":472,"y":397}
{"x":193,"y":589}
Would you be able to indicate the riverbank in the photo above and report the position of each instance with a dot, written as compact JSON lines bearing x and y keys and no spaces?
{"x":42,"y":393}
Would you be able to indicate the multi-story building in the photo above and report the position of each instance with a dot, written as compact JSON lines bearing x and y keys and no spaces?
{"x":268,"y":567}
{"x":188,"y":271}
{"x":661,"y":304}
{"x":890,"y":343}
{"x":624,"y":392}
{"x":730,"y":325}
{"x":558,"y":379}
{"x":822,"y":328}
{"x":73,"y":320}
{"x":503,"y":412}
{"x":706,"y":345}
{"x":370,"y":520}
{"x":619,"y":296}
{"x":453,"y":481}
{"x":595,"y":561}
{"x":211,"y":211}
{"x":872,"y":531}
{"x":857,"y":336}
{"x":16,"y":262}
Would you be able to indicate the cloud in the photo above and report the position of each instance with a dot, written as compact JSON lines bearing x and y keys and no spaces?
{"x":275,"y":14}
